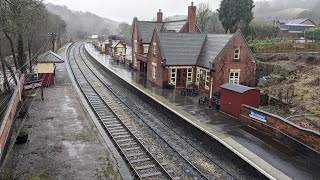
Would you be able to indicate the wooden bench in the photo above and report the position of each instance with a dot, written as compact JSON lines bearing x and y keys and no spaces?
{"x":189,"y":91}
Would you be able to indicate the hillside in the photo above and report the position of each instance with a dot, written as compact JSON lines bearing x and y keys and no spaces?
{"x":81,"y":24}
{"x":267,"y":11}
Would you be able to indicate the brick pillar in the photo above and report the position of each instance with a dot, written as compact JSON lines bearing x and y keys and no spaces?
{"x":159,"y":16}
{"x":192,"y":18}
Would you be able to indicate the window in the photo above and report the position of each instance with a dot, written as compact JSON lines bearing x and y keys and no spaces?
{"x":173,"y":76}
{"x":146,"y":48}
{"x":234,"y":76}
{"x":198,"y":76}
{"x":207,"y":79}
{"x":237,"y":52}
{"x":189,"y":75}
{"x":154,"y":70}
{"x":154,"y":49}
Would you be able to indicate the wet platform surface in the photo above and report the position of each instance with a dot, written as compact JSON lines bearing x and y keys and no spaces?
{"x":63,"y":142}
{"x":268,"y":154}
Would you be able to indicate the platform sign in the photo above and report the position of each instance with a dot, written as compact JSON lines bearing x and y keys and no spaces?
{"x":257,"y":116}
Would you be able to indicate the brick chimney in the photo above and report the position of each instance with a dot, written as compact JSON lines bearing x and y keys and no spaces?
{"x":192,"y":18}
{"x":159,"y":16}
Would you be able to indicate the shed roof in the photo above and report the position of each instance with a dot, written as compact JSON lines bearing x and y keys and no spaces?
{"x":50,"y":57}
{"x":237,"y":88}
{"x":212,"y":47}
{"x":181,"y":48}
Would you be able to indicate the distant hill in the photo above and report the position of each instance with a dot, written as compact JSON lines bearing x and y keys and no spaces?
{"x":82,"y":24}
{"x":267,"y":11}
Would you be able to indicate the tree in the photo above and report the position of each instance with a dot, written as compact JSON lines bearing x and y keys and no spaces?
{"x":262,"y":31}
{"x":124,"y":30}
{"x":204,"y":16}
{"x":235,"y":14}
{"x":21,"y":55}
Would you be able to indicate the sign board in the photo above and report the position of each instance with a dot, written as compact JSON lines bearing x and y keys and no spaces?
{"x":257,"y":116}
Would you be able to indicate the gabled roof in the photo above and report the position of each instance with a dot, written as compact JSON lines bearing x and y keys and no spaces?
{"x":50,"y":57}
{"x":298,"y":21}
{"x":146,"y":28}
{"x":237,"y":88}
{"x":115,"y":43}
{"x":173,"y":25}
{"x":180,"y":48}
{"x":213,"y":45}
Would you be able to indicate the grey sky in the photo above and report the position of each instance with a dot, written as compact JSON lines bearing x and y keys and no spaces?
{"x":126,"y":10}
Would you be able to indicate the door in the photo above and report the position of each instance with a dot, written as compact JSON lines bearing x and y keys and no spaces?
{"x":181,"y":78}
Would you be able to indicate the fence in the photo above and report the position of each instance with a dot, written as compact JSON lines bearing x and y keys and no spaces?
{"x":288,"y":47}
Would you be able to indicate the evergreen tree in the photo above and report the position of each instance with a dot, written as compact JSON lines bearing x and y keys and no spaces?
{"x":235,"y":14}
{"x":21,"y":55}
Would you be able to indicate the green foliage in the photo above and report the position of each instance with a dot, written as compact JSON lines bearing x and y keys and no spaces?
{"x":235,"y":14}
{"x":263,"y":31}
{"x":313,"y":34}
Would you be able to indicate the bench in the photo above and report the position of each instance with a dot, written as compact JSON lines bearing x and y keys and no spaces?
{"x":189,"y":91}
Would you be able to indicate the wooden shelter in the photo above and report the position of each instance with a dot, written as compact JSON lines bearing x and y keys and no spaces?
{"x":46,"y":67}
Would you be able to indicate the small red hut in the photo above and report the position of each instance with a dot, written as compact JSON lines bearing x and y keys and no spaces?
{"x":46,"y":67}
{"x":234,"y":95}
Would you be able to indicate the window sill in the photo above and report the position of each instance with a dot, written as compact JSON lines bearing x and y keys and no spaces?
{"x":236,"y":60}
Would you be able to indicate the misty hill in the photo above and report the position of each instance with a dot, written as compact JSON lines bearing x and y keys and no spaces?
{"x":82,"y":24}
{"x":268,"y":11}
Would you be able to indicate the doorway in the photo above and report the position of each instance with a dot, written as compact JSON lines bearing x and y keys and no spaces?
{"x":181,"y":78}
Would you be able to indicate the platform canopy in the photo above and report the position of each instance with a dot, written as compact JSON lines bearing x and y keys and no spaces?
{"x":50,"y":57}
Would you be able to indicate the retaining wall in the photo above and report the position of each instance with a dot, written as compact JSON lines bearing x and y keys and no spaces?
{"x":305,"y":141}
{"x":8,"y":118}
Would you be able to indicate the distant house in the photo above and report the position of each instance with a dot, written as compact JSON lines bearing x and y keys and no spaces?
{"x":118,"y":50}
{"x":142,"y":34}
{"x":295,"y":28}
{"x":197,"y":60}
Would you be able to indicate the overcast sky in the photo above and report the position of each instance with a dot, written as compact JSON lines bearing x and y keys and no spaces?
{"x":126,"y":10}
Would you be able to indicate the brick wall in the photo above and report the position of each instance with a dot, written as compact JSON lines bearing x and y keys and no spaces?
{"x":154,"y":56}
{"x":278,"y":127}
{"x":6,"y":126}
{"x":245,"y":64}
{"x":135,"y":46}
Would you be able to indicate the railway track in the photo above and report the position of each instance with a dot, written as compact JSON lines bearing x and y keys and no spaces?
{"x":142,"y":162}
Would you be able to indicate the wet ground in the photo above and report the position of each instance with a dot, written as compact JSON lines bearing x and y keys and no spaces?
{"x":273,"y":152}
{"x":63,"y":142}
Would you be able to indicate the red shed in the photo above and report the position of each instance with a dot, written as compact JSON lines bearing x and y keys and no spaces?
{"x":234,"y":95}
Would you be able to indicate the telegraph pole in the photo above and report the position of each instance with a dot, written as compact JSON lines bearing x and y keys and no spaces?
{"x":52,"y":36}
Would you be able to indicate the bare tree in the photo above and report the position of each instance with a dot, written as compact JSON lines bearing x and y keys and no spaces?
{"x":204,"y":16}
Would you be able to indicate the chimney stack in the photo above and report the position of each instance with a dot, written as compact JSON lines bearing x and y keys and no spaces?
{"x":159,"y":16}
{"x":192,"y":18}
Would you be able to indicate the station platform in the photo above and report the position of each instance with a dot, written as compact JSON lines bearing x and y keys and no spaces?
{"x":63,"y":141}
{"x":267,"y":156}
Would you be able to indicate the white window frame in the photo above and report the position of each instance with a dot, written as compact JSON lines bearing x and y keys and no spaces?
{"x":146,"y":48}
{"x":233,"y":78}
{"x":189,"y":75}
{"x":154,"y":71}
{"x":173,"y":75}
{"x":237,"y":55}
{"x":198,"y":76}
{"x":207,"y":80}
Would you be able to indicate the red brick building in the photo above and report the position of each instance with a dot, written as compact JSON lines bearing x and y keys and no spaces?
{"x":197,"y":60}
{"x":143,"y":31}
